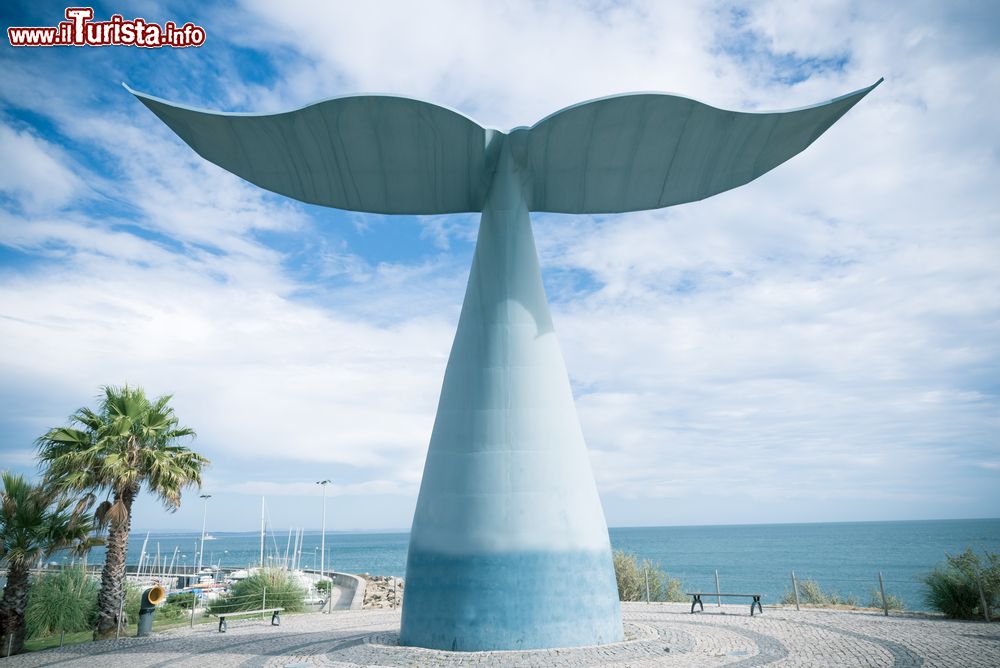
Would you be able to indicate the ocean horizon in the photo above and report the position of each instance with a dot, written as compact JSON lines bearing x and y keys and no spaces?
{"x":842,"y":557}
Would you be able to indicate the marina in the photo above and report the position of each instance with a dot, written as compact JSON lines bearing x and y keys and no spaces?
{"x":845,"y":557}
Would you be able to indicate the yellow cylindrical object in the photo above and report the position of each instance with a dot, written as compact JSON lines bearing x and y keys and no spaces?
{"x":156,"y":595}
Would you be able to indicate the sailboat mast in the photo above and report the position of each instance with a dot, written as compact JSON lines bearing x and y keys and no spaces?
{"x":173,"y":560}
{"x":142,"y":555}
{"x":262,"y":533}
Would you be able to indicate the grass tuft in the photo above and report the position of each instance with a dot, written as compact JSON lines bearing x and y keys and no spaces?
{"x":953,"y":587}
{"x":631,"y":577}
{"x":61,"y":601}
{"x":249,"y":594}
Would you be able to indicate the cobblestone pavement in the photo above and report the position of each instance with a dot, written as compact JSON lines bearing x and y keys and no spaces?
{"x":656,"y":635}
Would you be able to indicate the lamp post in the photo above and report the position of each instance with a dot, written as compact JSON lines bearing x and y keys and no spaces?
{"x":322,"y":533}
{"x":204,"y":518}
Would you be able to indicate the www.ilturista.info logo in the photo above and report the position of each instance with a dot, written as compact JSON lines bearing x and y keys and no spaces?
{"x":81,"y":30}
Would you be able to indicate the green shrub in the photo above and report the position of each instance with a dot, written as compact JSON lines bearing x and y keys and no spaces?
{"x":323,"y":586}
{"x":132,"y":595}
{"x":182,"y":600}
{"x":65,"y":600}
{"x":282,"y":592}
{"x":892,"y":601}
{"x":953,"y":588}
{"x":631,"y":577}
{"x":810,"y":593}
{"x":171,"y":612}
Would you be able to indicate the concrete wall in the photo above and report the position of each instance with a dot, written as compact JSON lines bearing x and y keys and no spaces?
{"x":354,"y":595}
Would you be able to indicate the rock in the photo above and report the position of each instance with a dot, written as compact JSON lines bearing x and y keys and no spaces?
{"x":382,"y":591}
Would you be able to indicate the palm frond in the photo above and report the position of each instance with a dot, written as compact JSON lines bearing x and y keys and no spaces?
{"x":101,"y":514}
{"x":116,"y":514}
{"x":36,"y":520}
{"x":129,"y":441}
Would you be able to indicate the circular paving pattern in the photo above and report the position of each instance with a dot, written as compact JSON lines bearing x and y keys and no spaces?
{"x":656,"y":635}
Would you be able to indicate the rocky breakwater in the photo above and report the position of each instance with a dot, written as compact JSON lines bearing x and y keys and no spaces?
{"x":382,"y":591}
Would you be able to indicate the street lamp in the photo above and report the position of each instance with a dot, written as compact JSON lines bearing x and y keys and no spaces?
{"x":204,"y":518}
{"x":322,"y":534}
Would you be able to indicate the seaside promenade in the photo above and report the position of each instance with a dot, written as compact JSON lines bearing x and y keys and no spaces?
{"x":658,"y":634}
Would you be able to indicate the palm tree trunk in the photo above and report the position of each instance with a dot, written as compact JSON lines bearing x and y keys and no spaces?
{"x":15,"y":599}
{"x":109,"y":600}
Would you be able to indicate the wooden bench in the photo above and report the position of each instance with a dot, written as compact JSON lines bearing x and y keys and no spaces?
{"x":275,"y":616}
{"x":696,"y":600}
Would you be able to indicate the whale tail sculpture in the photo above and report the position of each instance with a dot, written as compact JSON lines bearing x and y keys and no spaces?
{"x":396,"y":155}
{"x":509,"y":547}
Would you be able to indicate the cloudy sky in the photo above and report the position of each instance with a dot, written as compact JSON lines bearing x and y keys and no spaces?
{"x":822,"y":344}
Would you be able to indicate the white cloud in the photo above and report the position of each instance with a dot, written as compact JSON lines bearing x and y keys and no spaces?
{"x":506,"y":64}
{"x":36,"y":173}
{"x":258,"y":374}
{"x":824,"y":337}
{"x":269,"y":489}
{"x":21,"y":458}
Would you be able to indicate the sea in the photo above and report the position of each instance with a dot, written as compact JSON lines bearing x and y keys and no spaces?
{"x":842,"y":557}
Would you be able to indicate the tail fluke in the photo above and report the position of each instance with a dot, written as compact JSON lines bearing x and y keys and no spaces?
{"x":648,"y":151}
{"x":371,"y":153}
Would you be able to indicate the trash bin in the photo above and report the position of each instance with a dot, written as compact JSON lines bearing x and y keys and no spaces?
{"x":150,"y":598}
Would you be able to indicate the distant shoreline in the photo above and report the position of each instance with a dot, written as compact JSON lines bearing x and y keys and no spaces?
{"x":397,"y":531}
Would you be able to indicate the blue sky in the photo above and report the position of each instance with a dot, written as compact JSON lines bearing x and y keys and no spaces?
{"x":819,"y":345}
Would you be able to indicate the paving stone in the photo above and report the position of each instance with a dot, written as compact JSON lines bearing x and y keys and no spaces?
{"x":659,"y":634}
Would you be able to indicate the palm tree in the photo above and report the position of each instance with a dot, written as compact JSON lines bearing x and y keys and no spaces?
{"x":129,"y":441}
{"x":35,"y":521}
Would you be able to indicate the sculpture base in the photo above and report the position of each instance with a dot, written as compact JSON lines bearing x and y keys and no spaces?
{"x":510,"y":601}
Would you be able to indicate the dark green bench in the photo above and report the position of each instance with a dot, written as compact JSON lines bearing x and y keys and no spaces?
{"x":275,"y":616}
{"x":696,"y":600}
